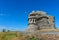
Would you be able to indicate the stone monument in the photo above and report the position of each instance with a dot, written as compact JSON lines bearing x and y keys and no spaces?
{"x":38,"y":20}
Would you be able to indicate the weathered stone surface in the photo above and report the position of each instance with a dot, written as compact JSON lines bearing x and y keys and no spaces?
{"x":39,"y":20}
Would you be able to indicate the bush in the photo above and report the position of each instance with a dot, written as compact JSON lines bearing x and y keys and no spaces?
{"x":33,"y":38}
{"x":8,"y":30}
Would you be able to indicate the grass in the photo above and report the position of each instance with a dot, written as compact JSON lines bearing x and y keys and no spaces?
{"x":15,"y":36}
{"x":21,"y":36}
{"x":7,"y":35}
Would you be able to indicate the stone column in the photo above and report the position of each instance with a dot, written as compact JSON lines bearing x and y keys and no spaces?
{"x":34,"y":20}
{"x":29,"y":20}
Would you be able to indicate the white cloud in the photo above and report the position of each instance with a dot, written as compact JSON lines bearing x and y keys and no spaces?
{"x":2,"y":14}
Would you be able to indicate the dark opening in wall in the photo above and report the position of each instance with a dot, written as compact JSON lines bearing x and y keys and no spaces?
{"x":32,"y":14}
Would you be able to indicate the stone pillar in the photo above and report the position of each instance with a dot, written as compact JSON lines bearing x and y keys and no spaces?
{"x":30,"y":20}
{"x":34,"y":20}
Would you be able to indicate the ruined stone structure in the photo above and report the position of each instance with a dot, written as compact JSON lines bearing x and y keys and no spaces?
{"x":38,"y":20}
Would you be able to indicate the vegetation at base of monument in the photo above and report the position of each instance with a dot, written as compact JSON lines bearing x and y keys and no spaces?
{"x":16,"y":36}
{"x":33,"y":38}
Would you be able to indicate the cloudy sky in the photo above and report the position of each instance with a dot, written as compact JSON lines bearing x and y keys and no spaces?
{"x":14,"y":13}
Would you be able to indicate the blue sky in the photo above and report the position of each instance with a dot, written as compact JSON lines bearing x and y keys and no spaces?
{"x":14,"y":13}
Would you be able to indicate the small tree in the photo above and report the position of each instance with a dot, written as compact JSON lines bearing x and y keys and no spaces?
{"x":4,"y":30}
{"x":8,"y":30}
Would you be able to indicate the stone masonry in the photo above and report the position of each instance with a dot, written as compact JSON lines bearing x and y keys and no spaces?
{"x":38,"y":20}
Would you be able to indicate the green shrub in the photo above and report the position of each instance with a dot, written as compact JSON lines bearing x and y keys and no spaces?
{"x":8,"y":31}
{"x":33,"y":38}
